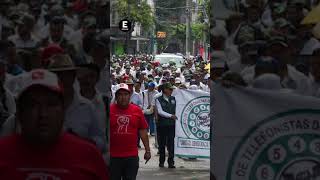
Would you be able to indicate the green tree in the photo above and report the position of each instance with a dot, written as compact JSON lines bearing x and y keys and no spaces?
{"x":168,"y":15}
{"x":198,"y":30}
{"x":179,"y":31}
{"x":139,"y":12}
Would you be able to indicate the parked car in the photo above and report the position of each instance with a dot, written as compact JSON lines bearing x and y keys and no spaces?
{"x":165,"y":58}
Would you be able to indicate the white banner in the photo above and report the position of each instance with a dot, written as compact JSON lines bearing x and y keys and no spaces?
{"x":265,"y":135}
{"x":193,"y":124}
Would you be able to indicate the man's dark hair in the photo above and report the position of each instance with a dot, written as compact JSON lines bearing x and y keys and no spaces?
{"x":57,"y":20}
{"x":160,"y":88}
{"x":138,"y":75}
{"x":316,"y":52}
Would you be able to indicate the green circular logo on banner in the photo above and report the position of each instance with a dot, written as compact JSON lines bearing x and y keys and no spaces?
{"x":195,"y":119}
{"x":283,"y":147}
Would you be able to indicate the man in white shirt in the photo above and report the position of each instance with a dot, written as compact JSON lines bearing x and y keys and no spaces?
{"x":23,"y":39}
{"x":56,"y":10}
{"x":81,"y":118}
{"x":148,"y":106}
{"x":56,"y":36}
{"x":88,"y":76}
{"x":88,"y":24}
{"x":138,"y":93}
{"x":149,"y":69}
{"x":204,"y":84}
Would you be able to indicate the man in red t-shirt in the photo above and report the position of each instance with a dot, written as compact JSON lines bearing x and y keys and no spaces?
{"x":42,"y":150}
{"x":126,"y":120}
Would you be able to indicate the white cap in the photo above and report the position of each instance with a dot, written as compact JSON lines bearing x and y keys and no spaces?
{"x":123,"y":86}
{"x":40,"y":77}
{"x":165,"y":65}
{"x":177,"y":80}
{"x":206,"y":76}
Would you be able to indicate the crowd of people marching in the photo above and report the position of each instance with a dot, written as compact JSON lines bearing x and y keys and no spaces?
{"x":150,"y":88}
{"x":55,"y":93}
{"x":140,"y":70}
{"x":270,"y":45}
{"x":54,"y":89}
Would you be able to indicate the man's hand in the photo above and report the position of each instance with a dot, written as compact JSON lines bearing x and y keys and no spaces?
{"x":174,"y":117}
{"x":147,"y":156}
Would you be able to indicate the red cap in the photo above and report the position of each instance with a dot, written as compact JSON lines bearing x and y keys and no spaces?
{"x":156,"y":63}
{"x":50,"y":50}
{"x":125,"y":77}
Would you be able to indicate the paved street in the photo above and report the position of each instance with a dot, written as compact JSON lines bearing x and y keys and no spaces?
{"x":185,"y":169}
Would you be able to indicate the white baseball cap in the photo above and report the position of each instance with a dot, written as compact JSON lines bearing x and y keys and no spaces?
{"x":177,"y":80}
{"x":123,"y":86}
{"x":40,"y":77}
{"x":207,"y":76}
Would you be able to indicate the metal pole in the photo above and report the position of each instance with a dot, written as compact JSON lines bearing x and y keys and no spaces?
{"x":188,"y":29}
{"x":128,"y":33}
{"x":138,"y":44}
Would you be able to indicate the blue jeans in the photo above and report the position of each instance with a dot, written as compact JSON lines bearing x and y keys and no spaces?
{"x":150,"y":121}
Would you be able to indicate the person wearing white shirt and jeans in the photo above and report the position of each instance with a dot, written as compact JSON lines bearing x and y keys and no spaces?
{"x":148,"y":106}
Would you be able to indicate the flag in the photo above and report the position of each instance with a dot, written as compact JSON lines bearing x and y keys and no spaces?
{"x":313,"y":17}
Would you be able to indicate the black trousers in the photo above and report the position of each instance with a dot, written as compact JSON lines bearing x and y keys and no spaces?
{"x":124,"y":168}
{"x":138,"y":142}
{"x":166,"y":136}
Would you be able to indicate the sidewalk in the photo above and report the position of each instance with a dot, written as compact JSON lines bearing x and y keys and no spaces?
{"x":197,"y":169}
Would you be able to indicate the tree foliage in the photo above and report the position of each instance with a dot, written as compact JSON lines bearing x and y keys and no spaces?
{"x":170,"y":16}
{"x":198,"y":30}
{"x":140,"y":13}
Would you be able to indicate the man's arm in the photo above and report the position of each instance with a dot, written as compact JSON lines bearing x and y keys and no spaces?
{"x":160,"y":111}
{"x":155,"y":114}
{"x":145,"y":139}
